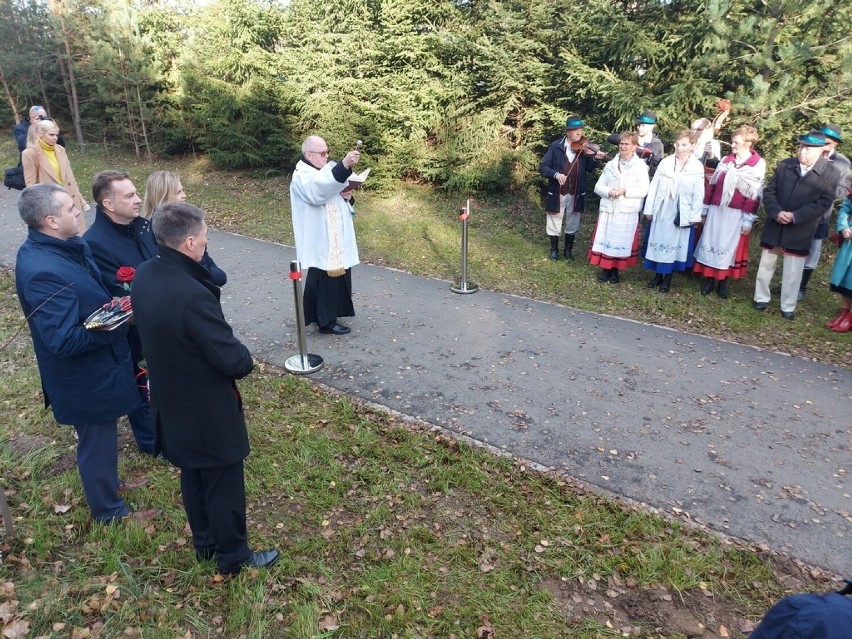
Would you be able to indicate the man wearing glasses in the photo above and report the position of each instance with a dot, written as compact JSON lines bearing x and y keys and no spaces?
{"x":321,"y":204}
{"x":800,"y":191}
{"x":21,"y":129}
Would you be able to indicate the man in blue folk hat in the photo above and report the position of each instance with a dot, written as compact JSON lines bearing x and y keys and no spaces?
{"x":565,"y":166}
{"x":833,"y":137}
{"x":648,"y":139}
{"x":801,"y":190}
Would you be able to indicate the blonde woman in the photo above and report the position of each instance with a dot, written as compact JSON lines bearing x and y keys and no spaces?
{"x":164,"y":187}
{"x":46,"y":162}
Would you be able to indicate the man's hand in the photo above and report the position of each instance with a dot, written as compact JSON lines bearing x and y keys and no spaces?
{"x":560,"y":178}
{"x":846,"y":233}
{"x":346,"y":195}
{"x":351,"y":159}
{"x":784,"y":217}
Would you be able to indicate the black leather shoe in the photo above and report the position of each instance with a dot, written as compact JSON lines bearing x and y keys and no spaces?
{"x":787,"y":315}
{"x":655,"y":281}
{"x":604,"y":275}
{"x":568,"y":253}
{"x":708,"y":287}
{"x":263,"y":558}
{"x":335,"y":329}
{"x":760,"y":306}
{"x":722,"y":289}
{"x":666,"y":286}
{"x":613,"y":276}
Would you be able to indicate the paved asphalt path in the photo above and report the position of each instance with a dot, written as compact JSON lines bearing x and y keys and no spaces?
{"x":752,"y":443}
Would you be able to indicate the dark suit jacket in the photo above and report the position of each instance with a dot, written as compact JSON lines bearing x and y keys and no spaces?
{"x":193,"y":361}
{"x":806,"y":197}
{"x":86,"y":376}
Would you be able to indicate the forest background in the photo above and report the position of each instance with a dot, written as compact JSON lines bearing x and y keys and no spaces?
{"x":461,"y":94}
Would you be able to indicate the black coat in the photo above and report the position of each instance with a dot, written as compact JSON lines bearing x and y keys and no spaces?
{"x":193,"y":361}
{"x":552,"y":163}
{"x":807,"y":198}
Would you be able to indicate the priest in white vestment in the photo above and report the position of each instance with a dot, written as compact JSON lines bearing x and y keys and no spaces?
{"x":321,"y":203}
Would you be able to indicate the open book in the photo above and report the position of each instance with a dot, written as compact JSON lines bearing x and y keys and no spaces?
{"x":357,"y":179}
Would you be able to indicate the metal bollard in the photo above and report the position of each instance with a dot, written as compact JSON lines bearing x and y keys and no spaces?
{"x":464,"y":287}
{"x":304,"y":362}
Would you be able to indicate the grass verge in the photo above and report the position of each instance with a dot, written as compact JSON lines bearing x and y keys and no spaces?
{"x":386,"y":530}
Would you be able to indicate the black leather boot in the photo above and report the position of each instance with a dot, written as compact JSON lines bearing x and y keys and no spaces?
{"x":656,"y":280}
{"x":667,"y":283}
{"x":722,"y":289}
{"x":803,"y":287}
{"x":604,"y":275}
{"x":569,"y":247}
{"x":554,"y":247}
{"x":709,"y":285}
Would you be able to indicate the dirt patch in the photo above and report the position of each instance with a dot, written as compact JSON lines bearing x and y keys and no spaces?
{"x":24,"y":444}
{"x":634,"y":611}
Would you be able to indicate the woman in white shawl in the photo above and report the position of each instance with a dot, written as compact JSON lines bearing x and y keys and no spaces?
{"x":622,"y":186}
{"x":674,"y":204}
{"x":730,"y":207}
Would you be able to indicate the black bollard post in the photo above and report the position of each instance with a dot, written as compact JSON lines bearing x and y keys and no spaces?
{"x":464,"y":287}
{"x":304,"y":362}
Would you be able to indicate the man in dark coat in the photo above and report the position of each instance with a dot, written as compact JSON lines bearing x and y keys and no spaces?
{"x":194,"y":360}
{"x":801,"y":190}
{"x":649,"y":141}
{"x":120,"y":241}
{"x":85,"y":374}
{"x":833,"y":137}
{"x":565,"y":169}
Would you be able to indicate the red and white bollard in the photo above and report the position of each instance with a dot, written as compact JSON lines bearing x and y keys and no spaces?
{"x":304,"y":362}
{"x":464,"y":287}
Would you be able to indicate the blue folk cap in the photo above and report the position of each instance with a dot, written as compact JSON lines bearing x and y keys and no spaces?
{"x":647,"y":117}
{"x":574,"y":122}
{"x":832,"y":131}
{"x":812,"y":138}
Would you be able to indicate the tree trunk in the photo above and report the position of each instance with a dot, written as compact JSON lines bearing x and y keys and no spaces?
{"x":9,"y":97}
{"x":142,"y":123}
{"x":66,"y":65}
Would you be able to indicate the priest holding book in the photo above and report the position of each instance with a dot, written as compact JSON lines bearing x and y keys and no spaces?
{"x":322,"y":209}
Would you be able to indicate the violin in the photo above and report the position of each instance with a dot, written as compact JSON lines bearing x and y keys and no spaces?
{"x":588,"y":147}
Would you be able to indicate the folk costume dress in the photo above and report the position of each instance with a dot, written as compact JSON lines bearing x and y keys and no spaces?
{"x":675,"y":202}
{"x":325,"y":240}
{"x":840,"y":280}
{"x":731,"y":203}
{"x":616,"y":237}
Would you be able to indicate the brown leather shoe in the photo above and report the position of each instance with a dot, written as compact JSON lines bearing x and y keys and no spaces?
{"x":142,"y":516}
{"x":124,"y":486}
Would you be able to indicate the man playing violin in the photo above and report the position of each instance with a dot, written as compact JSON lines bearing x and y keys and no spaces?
{"x":565,"y":166}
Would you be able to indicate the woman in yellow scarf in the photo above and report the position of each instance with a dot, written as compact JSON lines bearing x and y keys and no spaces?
{"x":46,"y":162}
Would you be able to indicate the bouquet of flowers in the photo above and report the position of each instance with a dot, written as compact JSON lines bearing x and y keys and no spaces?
{"x":115,"y":313}
{"x":111,"y":315}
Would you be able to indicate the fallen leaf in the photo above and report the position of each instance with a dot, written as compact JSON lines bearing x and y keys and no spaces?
{"x":16,"y":629}
{"x":61,"y":508}
{"x":328,"y":623}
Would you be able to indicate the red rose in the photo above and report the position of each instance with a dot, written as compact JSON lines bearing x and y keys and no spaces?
{"x":125,"y":274}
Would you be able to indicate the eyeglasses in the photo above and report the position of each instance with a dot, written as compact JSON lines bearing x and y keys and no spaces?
{"x":322,"y":153}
